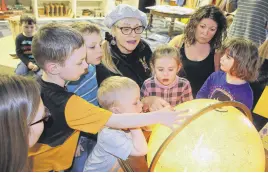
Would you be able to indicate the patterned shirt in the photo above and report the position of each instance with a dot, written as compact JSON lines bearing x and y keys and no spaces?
{"x":177,"y":92}
{"x":86,"y":87}
{"x":250,"y":20}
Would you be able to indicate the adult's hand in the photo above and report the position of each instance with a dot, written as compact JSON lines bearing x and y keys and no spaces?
{"x":154,"y":103}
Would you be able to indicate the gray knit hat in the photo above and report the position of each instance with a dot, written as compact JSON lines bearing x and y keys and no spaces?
{"x":124,"y":11}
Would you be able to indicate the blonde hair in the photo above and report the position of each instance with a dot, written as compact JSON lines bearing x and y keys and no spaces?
{"x":246,"y":59}
{"x":86,"y":27}
{"x":165,"y":51}
{"x":107,"y":59}
{"x":263,"y":51}
{"x":109,"y":92}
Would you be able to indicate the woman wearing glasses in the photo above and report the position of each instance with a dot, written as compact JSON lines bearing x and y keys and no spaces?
{"x":125,"y":53}
{"x":22,"y":114}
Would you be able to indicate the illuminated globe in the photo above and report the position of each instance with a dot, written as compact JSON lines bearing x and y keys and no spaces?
{"x":216,"y":139}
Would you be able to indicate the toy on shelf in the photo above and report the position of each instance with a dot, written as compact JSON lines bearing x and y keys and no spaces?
{"x":3,"y":6}
{"x":56,"y":10}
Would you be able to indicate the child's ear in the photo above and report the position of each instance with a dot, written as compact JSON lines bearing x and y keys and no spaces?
{"x":115,"y":110}
{"x":52,"y":68}
{"x":179,"y":68}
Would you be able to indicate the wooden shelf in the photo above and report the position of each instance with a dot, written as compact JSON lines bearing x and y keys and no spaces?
{"x":75,"y":5}
{"x":89,"y":0}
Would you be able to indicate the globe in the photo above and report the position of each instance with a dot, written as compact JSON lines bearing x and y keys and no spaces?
{"x":221,"y":139}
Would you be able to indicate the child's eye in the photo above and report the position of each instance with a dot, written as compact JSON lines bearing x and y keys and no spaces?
{"x":213,"y":30}
{"x":135,"y":103}
{"x":202,"y":26}
{"x":92,"y":47}
{"x":160,"y":69}
{"x":170,"y":69}
{"x":80,"y":63}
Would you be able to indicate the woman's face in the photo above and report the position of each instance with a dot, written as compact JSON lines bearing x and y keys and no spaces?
{"x":127,"y":38}
{"x":36,"y":130}
{"x":205,"y":30}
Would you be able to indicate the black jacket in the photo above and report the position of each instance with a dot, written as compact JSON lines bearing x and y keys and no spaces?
{"x":134,"y":65}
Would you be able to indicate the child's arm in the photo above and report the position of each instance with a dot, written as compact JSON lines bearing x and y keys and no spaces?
{"x":86,"y":117}
{"x":187,"y":92}
{"x":139,"y":143}
{"x":204,"y":91}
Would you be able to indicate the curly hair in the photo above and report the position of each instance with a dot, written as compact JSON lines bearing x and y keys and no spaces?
{"x":211,"y":12}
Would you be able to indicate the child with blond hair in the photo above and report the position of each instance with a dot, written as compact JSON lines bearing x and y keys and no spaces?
{"x":165,"y":83}
{"x":64,"y":59}
{"x":118,"y":95}
{"x":86,"y":87}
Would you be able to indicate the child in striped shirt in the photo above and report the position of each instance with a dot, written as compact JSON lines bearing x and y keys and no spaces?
{"x":165,"y":64}
{"x":87,"y":87}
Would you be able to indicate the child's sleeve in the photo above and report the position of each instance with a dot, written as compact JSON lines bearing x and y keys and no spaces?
{"x":144,"y":91}
{"x":116,"y":142}
{"x":204,"y":91}
{"x":83,"y":116}
{"x":187,"y":92}
{"x":19,"y":51}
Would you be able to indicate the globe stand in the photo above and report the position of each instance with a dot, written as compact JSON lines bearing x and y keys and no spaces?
{"x":216,"y":106}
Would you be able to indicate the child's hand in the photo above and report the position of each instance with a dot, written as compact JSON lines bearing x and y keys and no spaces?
{"x":79,"y":148}
{"x":35,"y":68}
{"x":158,"y":104}
{"x":173,"y":118}
{"x":31,"y":65}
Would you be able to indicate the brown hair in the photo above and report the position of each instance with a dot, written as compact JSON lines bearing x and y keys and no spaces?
{"x":19,"y":102}
{"x":29,"y":19}
{"x":211,"y":12}
{"x":86,"y":27}
{"x":55,"y":43}
{"x":163,"y":51}
{"x":246,"y":59}
{"x":263,"y":50}
{"x":110,"y":88}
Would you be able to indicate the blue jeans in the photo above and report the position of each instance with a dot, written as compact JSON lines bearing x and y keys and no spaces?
{"x":23,"y":70}
{"x":79,"y":162}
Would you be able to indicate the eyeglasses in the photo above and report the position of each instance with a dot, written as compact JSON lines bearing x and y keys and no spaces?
{"x":44,"y":119}
{"x":128,"y":30}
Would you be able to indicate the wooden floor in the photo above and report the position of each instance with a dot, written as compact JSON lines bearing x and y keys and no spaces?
{"x":7,"y":45}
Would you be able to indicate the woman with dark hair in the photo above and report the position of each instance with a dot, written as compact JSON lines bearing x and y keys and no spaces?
{"x":203,"y":35}
{"x":21,"y":121}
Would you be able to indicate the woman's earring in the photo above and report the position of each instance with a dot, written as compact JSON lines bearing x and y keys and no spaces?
{"x":113,"y":42}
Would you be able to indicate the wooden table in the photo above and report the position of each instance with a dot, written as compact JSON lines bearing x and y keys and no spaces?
{"x":172,"y":12}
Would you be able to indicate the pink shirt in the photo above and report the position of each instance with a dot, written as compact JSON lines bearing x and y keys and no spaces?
{"x":177,"y":92}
